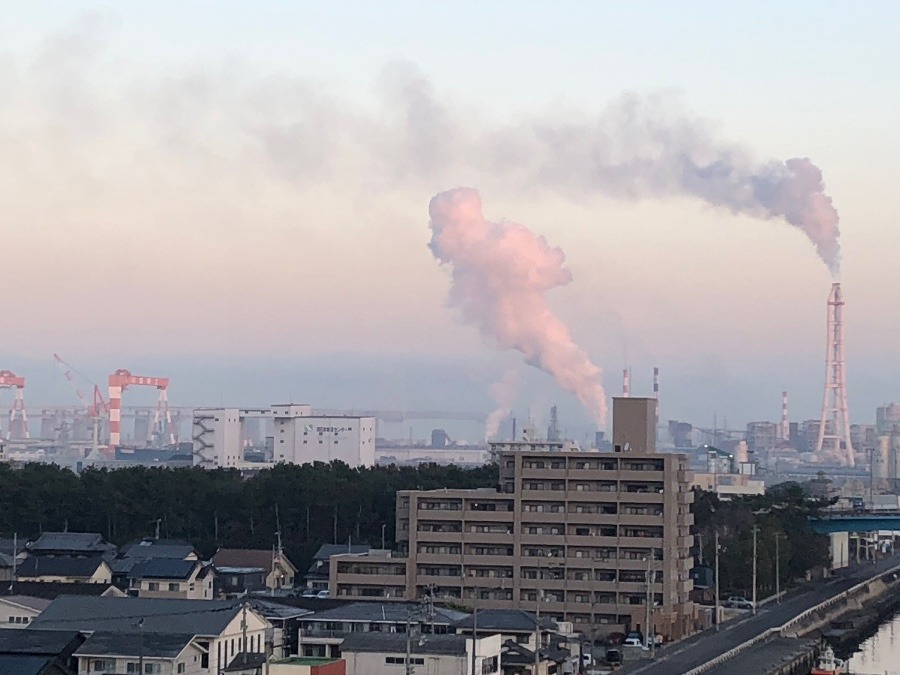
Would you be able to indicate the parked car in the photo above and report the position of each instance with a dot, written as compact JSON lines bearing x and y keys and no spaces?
{"x":309,"y":593}
{"x":322,"y":595}
{"x":613,"y":657}
{"x":633,"y":642}
{"x":738,"y":602}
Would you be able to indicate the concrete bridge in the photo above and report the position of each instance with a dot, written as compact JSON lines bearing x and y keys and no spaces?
{"x":856,"y":521}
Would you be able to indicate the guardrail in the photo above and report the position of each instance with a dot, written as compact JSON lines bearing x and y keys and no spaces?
{"x":779,"y":630}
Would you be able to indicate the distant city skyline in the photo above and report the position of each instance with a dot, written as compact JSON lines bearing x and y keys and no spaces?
{"x":165,"y":206}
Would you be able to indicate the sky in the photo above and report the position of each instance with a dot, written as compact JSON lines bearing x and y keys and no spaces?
{"x":236,"y":195}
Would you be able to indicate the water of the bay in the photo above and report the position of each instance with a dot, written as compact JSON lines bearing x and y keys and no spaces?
{"x":880,"y":654}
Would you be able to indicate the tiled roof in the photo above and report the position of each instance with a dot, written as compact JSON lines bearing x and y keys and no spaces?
{"x":58,"y":566}
{"x":245,"y":557}
{"x":388,"y":612}
{"x":29,"y":601}
{"x":200,"y":617}
{"x":53,"y":589}
{"x":395,"y":643}
{"x":151,"y":645}
{"x":162,"y":548}
{"x":163,"y":568}
{"x":501,"y":620}
{"x":76,"y":542}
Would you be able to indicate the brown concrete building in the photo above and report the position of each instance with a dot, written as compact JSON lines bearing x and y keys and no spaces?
{"x":573,"y":535}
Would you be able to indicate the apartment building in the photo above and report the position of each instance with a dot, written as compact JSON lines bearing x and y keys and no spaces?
{"x":583,"y":536}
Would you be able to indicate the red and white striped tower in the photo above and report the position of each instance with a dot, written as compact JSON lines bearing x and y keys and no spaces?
{"x":785,"y":425}
{"x":9,"y":379}
{"x":118,"y":382}
{"x":834,"y":424}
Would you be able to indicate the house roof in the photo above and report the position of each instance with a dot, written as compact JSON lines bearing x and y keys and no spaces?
{"x":158,"y":548}
{"x":73,"y":542}
{"x":29,"y":601}
{"x":53,"y":589}
{"x":6,"y":560}
{"x":327,"y":550}
{"x":150,"y":645}
{"x":388,"y":612}
{"x":247,"y":557}
{"x":276,"y":610}
{"x":395,"y":643}
{"x":33,"y":641}
{"x":506,"y":620}
{"x":160,"y":615}
{"x":58,"y":566}
{"x":163,"y":568}
{"x":7,"y":546}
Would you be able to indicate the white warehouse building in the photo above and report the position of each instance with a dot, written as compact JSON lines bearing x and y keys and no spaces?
{"x":299,"y":436}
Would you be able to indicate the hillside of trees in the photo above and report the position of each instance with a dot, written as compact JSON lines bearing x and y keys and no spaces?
{"x":316,"y":503}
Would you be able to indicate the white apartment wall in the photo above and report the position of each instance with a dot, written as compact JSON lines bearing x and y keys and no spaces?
{"x":15,"y":616}
{"x":190,"y":658}
{"x":299,"y":440}
{"x":367,"y":663}
{"x":218,"y":441}
{"x":224,"y":648}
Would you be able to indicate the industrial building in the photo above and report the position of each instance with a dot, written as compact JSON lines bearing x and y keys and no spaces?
{"x":599,"y":539}
{"x":299,"y":436}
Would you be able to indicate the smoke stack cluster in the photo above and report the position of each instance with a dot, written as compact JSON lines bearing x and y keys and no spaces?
{"x":500,"y":273}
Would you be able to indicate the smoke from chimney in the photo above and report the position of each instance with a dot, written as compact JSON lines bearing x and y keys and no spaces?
{"x":500,"y":273}
{"x":504,"y":394}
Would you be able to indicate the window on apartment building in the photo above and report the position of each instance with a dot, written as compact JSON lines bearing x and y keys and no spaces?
{"x":582,"y":531}
{"x":101,"y":666}
{"x":174,"y":587}
{"x":180,"y":668}
{"x":558,"y":464}
{"x":152,"y":586}
{"x":152,"y":668}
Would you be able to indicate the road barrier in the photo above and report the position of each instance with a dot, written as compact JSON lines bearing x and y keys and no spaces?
{"x":796,"y":621}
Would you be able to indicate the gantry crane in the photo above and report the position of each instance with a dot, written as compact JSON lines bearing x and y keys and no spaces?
{"x":9,"y":380}
{"x":118,"y":382}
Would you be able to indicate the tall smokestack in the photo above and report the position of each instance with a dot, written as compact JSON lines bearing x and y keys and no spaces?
{"x":656,"y":383}
{"x":785,"y":426}
{"x":626,"y":382}
{"x":500,"y":273}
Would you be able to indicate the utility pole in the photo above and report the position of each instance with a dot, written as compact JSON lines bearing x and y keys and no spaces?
{"x":409,"y":669}
{"x":383,"y":526}
{"x":777,"y":569}
{"x":141,"y":646}
{"x":12,"y":579}
{"x":717,"y":580}
{"x":755,"y":530}
{"x":649,"y":599}
{"x":474,"y":639}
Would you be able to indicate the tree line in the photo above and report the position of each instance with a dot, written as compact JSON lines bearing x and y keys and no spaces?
{"x":310,"y":504}
{"x":782,"y":513}
{"x":321,"y":503}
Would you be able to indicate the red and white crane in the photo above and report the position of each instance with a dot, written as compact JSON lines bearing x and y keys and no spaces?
{"x":9,"y":380}
{"x":96,"y":408}
{"x":121,"y":380}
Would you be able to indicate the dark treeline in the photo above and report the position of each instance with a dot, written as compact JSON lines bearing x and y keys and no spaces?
{"x":316,"y":503}
{"x":782,"y":512}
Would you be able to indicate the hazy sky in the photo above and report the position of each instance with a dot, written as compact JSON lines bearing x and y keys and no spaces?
{"x":211,"y":189}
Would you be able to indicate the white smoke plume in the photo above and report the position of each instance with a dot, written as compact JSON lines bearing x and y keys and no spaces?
{"x":504,"y":394}
{"x":78,"y":126}
{"x":500,"y":273}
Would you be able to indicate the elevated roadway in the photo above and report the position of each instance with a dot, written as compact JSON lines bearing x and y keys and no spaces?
{"x":682,"y":657}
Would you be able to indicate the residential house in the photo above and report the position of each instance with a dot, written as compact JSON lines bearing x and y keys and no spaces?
{"x":323,"y":633}
{"x":217,"y":625}
{"x":148,"y":549}
{"x":232,"y":582}
{"x":52,"y":590}
{"x":280,"y":570}
{"x":320,"y":569}
{"x":368,"y":653}
{"x":521,"y":633}
{"x":177,"y":549}
{"x":115,"y":652}
{"x":76,"y":544}
{"x":65,"y":569}
{"x":8,"y":549}
{"x":39,"y":652}
{"x":171,"y":578}
{"x":18,"y":611}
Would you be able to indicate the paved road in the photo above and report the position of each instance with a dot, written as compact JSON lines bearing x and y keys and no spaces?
{"x":680,"y":657}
